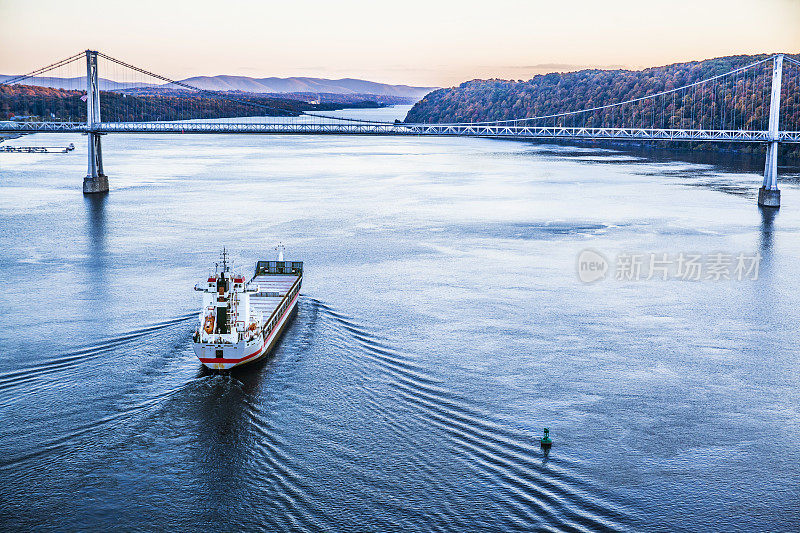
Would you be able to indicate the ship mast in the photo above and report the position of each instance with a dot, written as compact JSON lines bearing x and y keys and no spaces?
{"x":224,"y":260}
{"x":231,"y":301}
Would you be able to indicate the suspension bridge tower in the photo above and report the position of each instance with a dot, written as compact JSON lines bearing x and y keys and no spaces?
{"x":95,"y":181}
{"x":768,"y":194}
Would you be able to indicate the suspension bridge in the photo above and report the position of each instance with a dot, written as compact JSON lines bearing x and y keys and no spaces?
{"x":756,"y":103}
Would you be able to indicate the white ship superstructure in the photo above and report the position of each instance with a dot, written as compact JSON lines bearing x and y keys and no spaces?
{"x":242,"y":320}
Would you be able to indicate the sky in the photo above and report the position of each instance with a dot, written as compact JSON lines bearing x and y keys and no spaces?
{"x":415,"y":42}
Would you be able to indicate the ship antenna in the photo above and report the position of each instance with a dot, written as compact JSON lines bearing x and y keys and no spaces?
{"x":224,"y":259}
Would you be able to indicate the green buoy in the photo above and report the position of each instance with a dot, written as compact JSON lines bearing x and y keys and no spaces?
{"x":546,"y":440}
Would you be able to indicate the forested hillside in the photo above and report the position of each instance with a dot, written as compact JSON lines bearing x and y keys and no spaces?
{"x":728,"y":101}
{"x":153,"y":104}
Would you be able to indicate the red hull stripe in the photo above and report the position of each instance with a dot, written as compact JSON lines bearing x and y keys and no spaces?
{"x":257,"y":352}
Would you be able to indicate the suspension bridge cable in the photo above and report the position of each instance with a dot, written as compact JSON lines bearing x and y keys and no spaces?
{"x":608,"y":106}
{"x":42,"y":70}
{"x":791,"y":60}
{"x":758,"y":69}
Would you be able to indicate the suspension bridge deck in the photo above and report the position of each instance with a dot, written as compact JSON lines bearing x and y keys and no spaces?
{"x":368,"y":128}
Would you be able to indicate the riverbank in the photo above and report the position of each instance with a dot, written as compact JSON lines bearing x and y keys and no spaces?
{"x":8,"y":136}
{"x":147,"y":105}
{"x":692,"y":152}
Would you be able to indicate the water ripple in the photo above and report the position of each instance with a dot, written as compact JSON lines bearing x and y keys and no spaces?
{"x":508,"y":456}
{"x":71,"y":359}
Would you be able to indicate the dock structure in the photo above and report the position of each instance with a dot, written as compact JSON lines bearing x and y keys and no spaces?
{"x":38,"y":149}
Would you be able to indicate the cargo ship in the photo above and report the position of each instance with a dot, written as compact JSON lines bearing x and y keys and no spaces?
{"x":242,"y":320}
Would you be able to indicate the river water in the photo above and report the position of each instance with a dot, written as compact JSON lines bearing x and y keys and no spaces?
{"x":442,"y":325}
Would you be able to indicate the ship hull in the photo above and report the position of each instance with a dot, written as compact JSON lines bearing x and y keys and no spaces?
{"x":227,"y":356}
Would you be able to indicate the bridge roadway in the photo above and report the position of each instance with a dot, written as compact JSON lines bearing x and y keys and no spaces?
{"x":377,"y":128}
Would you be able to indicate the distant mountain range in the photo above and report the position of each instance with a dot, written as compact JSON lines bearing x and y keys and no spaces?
{"x":304,"y":85}
{"x":78,"y":83}
{"x":252,"y":85}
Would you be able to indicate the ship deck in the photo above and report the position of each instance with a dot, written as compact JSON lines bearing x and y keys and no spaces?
{"x":271,"y":290}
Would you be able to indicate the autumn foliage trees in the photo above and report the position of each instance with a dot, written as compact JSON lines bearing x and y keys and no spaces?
{"x":23,"y":102}
{"x":737,"y":102}
{"x":45,"y":102}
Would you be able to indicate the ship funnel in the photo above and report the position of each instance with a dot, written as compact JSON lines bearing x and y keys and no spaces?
{"x":280,"y":248}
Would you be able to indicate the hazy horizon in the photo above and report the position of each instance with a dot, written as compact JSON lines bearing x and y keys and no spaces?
{"x":424,"y":44}
{"x":554,"y":69}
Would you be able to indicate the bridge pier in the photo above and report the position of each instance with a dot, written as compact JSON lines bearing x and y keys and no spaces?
{"x":768,"y":194}
{"x":95,"y":181}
